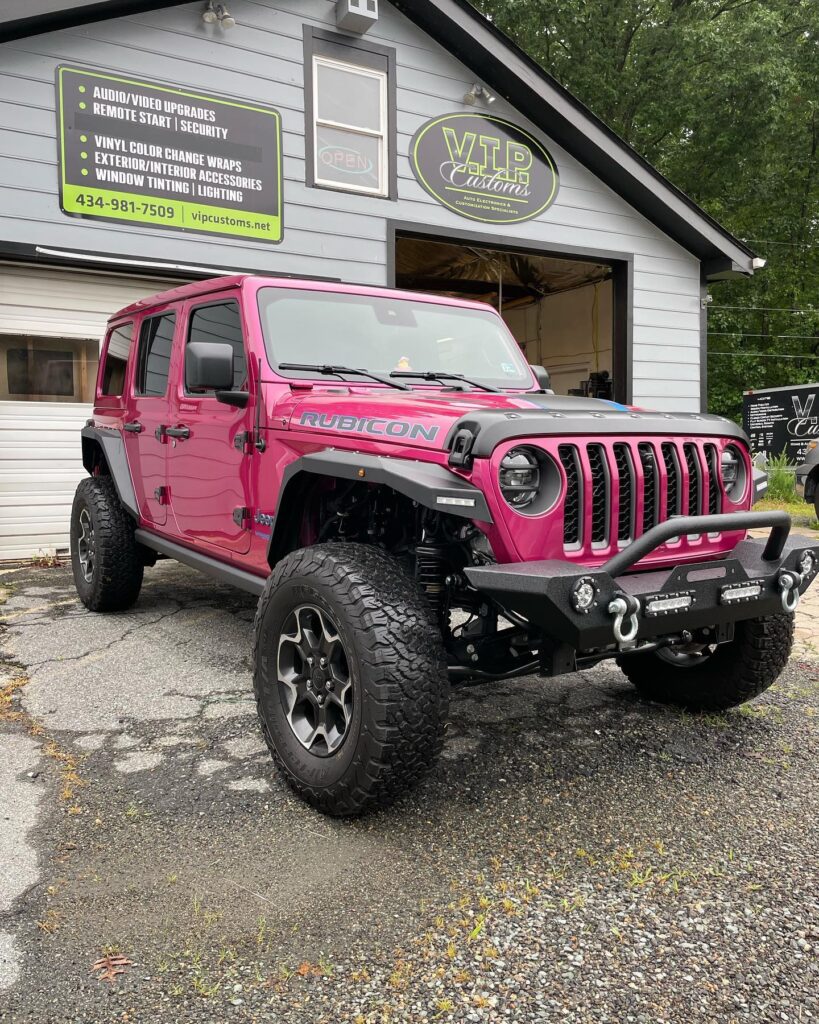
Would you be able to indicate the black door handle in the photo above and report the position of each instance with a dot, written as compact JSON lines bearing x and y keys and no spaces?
{"x":182,"y":432}
{"x":135,"y":427}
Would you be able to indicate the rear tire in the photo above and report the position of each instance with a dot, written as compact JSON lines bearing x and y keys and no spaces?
{"x":732,"y":674}
{"x":105,"y":557}
{"x":377,"y":662}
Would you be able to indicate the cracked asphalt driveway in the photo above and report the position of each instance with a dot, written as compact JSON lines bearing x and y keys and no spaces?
{"x":576,"y":856}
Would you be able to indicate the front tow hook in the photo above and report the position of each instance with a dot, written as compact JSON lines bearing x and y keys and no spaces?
{"x":625,"y":608}
{"x":789,"y":584}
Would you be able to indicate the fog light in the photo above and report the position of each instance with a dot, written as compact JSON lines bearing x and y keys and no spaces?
{"x":807,"y":563}
{"x":664,"y":605}
{"x":743,"y":592}
{"x":584,"y":594}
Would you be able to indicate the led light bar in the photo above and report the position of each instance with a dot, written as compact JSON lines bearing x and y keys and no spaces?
{"x":743,"y":592}
{"x":442,"y":499}
{"x":663,"y":605}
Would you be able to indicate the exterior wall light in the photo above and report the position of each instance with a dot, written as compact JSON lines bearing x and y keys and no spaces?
{"x":218,"y":14}
{"x":478,"y":92}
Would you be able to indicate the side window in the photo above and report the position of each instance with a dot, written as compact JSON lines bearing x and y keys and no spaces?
{"x":221,"y":323}
{"x":155,"y":343}
{"x":116,"y":360}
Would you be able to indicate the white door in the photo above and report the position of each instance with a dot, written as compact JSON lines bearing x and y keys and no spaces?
{"x":51,"y":323}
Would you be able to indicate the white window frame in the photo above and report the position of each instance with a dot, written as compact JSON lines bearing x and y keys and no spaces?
{"x":383,"y":189}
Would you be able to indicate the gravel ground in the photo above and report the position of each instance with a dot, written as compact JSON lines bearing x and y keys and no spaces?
{"x":576,"y":856}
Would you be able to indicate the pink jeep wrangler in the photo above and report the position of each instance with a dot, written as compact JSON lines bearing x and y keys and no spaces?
{"x":413,"y":505}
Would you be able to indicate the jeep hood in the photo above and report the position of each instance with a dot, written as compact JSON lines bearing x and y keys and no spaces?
{"x":430,"y":419}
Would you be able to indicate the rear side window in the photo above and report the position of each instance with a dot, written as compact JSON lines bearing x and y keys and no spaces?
{"x":155,"y":343}
{"x":116,"y":360}
{"x":221,"y":323}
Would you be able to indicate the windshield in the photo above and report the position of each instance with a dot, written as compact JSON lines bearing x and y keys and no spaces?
{"x":385,"y":334}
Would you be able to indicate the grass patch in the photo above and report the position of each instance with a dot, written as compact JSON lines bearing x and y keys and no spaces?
{"x":800,"y":511}
{"x":781,"y":479}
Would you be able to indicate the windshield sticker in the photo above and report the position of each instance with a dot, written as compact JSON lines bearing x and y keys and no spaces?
{"x":369,"y":425}
{"x":509,"y":368}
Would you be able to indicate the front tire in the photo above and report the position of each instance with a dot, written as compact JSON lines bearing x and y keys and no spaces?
{"x":105,"y":557}
{"x":729,"y":675}
{"x":345,"y":623}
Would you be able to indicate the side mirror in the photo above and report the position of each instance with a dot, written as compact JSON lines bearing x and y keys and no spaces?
{"x":543,"y":378}
{"x":239,"y":399}
{"x":208,"y":366}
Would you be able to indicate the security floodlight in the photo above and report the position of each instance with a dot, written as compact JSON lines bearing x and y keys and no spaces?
{"x":218,"y":14}
{"x":226,"y":19}
{"x":478,"y":92}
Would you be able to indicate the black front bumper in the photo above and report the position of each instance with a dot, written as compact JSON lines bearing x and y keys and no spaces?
{"x":749,"y":583}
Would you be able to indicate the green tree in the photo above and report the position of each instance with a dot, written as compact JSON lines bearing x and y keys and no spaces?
{"x":723,"y":97}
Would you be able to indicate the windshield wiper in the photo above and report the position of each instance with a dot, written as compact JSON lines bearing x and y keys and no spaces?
{"x":442,"y":376}
{"x":328,"y":369}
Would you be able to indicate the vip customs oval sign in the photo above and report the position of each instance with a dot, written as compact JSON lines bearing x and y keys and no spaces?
{"x":484,"y":168}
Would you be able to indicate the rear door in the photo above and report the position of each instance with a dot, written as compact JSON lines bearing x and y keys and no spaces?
{"x":208,"y":472}
{"x":148,"y":413}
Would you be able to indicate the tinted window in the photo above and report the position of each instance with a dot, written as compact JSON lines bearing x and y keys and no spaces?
{"x":221,"y":323}
{"x":155,"y":343}
{"x":116,"y":360}
{"x":47,"y":369}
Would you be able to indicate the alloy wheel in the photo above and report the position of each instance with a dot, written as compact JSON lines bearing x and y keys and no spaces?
{"x":86,"y":547}
{"x":313,"y":673}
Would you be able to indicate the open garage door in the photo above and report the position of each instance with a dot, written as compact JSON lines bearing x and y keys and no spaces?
{"x":563,"y":312}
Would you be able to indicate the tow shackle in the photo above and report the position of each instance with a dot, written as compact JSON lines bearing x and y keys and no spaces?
{"x":789,"y":584}
{"x":625,"y":609}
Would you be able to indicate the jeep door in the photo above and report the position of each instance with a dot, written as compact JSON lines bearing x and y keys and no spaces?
{"x":208,"y":471}
{"x":147,"y":414}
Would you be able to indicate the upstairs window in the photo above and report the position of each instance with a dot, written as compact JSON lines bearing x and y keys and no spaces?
{"x":350,"y":103}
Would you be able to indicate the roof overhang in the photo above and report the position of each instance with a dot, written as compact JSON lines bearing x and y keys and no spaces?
{"x":501,"y":64}
{"x":23,"y":18}
{"x":504,"y":67}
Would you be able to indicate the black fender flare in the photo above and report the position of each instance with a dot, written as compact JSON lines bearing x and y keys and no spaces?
{"x":429,"y":484}
{"x":111,"y":443}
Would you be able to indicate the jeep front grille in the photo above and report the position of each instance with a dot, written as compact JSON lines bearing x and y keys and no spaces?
{"x":570,"y":461}
{"x":615,"y":492}
{"x":651,"y":485}
{"x":600,"y":501}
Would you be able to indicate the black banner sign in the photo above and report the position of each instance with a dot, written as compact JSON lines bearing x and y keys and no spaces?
{"x":781,"y":420}
{"x":161,"y":156}
{"x":484,"y":168}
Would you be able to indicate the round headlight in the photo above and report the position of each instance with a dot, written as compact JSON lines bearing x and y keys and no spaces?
{"x":520,"y":477}
{"x":732,"y":471}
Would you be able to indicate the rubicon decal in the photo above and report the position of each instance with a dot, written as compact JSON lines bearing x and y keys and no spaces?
{"x":377,"y":426}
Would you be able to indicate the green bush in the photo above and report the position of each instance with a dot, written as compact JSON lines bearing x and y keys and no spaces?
{"x":780,"y":479}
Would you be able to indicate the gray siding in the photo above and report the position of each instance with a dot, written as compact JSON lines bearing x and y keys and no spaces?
{"x":327,"y":233}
